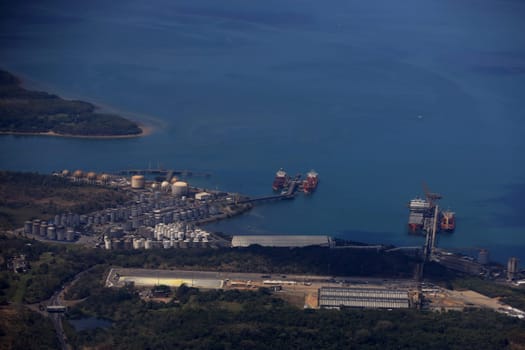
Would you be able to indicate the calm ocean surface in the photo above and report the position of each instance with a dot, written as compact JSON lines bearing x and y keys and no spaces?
{"x":241,"y":88}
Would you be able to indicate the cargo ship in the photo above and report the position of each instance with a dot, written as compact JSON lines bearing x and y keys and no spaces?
{"x":281,"y":178}
{"x":448,"y":221}
{"x":311,"y":181}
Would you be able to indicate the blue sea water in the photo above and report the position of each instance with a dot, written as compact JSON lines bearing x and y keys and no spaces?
{"x":377,"y":96}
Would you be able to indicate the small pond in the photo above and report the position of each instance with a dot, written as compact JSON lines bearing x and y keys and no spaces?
{"x":88,"y":323}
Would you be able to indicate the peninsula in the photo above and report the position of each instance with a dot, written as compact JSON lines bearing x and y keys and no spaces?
{"x":29,"y":112}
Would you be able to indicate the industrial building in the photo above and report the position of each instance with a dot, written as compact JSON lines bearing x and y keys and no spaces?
{"x":282,"y":241}
{"x":335,"y":297}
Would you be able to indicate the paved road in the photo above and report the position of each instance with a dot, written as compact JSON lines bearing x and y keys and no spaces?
{"x":58,"y":299}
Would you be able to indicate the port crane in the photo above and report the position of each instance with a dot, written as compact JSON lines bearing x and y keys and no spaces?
{"x":432,"y":197}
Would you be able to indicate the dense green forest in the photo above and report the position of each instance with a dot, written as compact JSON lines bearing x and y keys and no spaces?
{"x":21,"y":328}
{"x":257,"y":320}
{"x":25,"y":196}
{"x":28,"y":111}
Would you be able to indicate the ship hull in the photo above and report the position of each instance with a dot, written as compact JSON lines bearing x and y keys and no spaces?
{"x":310,"y":183}
{"x":448,"y":222}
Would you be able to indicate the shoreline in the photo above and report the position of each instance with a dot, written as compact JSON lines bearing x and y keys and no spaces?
{"x":146,"y":124}
{"x":147,"y":130}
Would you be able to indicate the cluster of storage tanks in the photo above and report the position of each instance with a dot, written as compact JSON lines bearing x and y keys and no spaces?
{"x":176,"y":187}
{"x":176,"y":235}
{"x":151,"y":213}
{"x":180,"y":232}
{"x":49,"y":230}
{"x":89,"y":177}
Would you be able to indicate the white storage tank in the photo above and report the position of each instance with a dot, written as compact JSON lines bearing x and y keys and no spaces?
{"x":137,"y":181}
{"x":105,"y":178}
{"x":91,"y":176}
{"x":78,"y":174}
{"x":179,"y":188}
{"x":165,"y":186}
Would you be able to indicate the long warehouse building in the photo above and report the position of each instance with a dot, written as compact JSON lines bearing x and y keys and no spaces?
{"x":289,"y":241}
{"x":335,"y":297}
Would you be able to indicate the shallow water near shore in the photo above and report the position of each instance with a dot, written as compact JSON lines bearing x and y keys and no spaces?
{"x":377,"y":97}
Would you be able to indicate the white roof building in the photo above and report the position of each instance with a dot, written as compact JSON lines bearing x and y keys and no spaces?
{"x":282,"y":241}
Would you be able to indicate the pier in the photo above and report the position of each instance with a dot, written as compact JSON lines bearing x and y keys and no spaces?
{"x":268,"y":198}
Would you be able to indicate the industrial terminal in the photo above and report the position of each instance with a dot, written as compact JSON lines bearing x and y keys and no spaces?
{"x":166,"y":212}
{"x":161,"y":214}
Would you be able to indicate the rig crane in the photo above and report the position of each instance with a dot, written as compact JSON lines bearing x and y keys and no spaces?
{"x":432,"y":197}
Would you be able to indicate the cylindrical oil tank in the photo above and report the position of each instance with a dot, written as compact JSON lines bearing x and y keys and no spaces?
{"x":65,"y":172}
{"x":165,"y":186}
{"x":104,"y":178}
{"x":483,"y":257}
{"x":70,"y":234}
{"x":137,"y":181}
{"x":51,"y":234}
{"x":60,"y":235}
{"x":155,"y":186}
{"x":78,"y":174}
{"x":179,"y":188}
{"x":91,"y":176}
{"x":51,"y":231}
{"x":28,"y":227}
{"x":137,"y":243}
{"x":128,"y":244}
{"x":36,"y":227}
{"x":43,"y":228}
